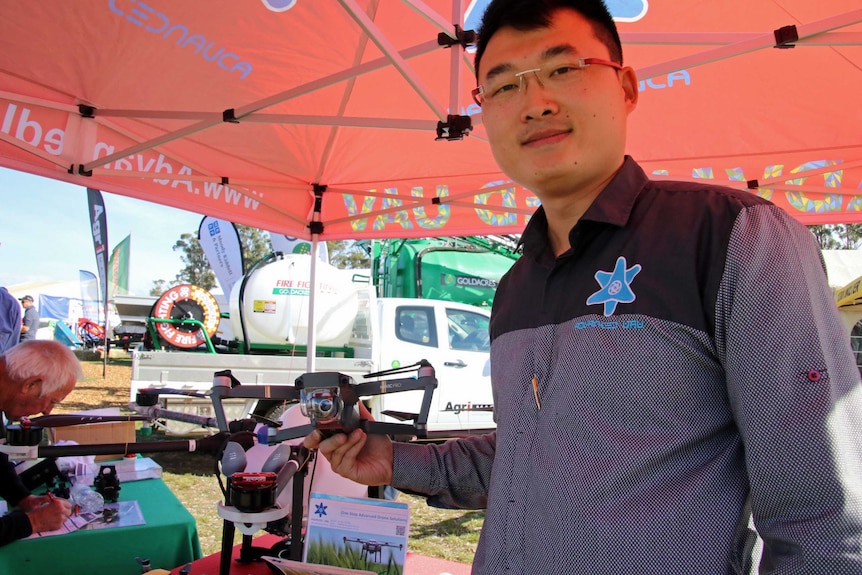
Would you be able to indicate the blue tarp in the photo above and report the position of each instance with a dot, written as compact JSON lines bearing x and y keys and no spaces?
{"x":65,"y":308}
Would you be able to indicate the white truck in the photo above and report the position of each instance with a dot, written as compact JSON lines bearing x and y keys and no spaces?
{"x":356,"y":334}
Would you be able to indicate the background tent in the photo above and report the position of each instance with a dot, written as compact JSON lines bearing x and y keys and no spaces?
{"x":277,"y":113}
{"x":54,"y":299}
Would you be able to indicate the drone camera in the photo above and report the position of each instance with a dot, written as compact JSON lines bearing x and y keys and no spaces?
{"x":328,"y":399}
{"x":322,"y":405}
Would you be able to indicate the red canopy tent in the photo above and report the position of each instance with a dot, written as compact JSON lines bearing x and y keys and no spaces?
{"x":249,"y":110}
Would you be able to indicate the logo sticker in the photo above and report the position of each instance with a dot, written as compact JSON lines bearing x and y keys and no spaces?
{"x":279,"y":5}
{"x":615,"y":286}
{"x":621,"y":11}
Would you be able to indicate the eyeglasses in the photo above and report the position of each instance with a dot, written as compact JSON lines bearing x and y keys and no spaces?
{"x":504,"y":89}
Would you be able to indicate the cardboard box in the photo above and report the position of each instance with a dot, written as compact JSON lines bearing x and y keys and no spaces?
{"x":93,"y":433}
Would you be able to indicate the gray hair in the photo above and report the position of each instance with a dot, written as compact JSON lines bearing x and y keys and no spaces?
{"x":48,"y":360}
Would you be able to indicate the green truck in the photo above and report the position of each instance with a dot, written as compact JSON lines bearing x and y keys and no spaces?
{"x":461,"y":269}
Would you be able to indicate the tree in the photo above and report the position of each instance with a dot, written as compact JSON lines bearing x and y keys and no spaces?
{"x":838,"y":236}
{"x":347,"y":255}
{"x":159,"y":287}
{"x":197,"y":269}
{"x":255,"y":245}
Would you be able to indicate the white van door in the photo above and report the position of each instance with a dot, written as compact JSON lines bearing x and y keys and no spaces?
{"x":454,"y":339}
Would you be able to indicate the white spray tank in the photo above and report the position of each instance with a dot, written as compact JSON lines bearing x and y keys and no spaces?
{"x":273,"y":301}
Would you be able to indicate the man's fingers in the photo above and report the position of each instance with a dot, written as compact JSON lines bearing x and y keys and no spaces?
{"x":343,"y":457}
{"x":65,"y":506}
{"x":312,"y":440}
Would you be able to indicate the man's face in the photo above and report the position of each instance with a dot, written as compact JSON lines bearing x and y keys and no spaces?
{"x":26,"y":303}
{"x":28,"y":400}
{"x":556,"y":138}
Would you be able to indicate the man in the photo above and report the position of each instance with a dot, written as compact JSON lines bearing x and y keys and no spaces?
{"x":34,"y":377}
{"x":10,"y":320}
{"x":665,"y":356}
{"x":30,"y":323}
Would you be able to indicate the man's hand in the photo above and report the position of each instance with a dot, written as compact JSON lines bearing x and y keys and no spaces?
{"x":47,"y":513}
{"x":363,"y":458}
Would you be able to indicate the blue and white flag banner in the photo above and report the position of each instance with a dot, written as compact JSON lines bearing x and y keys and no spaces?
{"x":220,"y":242}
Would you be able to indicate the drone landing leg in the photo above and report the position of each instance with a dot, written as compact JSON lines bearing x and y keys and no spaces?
{"x":296,"y":514}
{"x":228,"y":531}
{"x":248,"y":553}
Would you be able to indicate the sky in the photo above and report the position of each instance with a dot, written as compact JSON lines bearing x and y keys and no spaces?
{"x":45,"y":233}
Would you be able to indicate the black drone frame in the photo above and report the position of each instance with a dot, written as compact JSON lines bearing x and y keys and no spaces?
{"x":226,"y":386}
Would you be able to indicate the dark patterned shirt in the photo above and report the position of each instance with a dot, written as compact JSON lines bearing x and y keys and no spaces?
{"x":688,"y":357}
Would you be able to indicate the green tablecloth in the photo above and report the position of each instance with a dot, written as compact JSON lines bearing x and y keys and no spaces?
{"x":168,"y":539}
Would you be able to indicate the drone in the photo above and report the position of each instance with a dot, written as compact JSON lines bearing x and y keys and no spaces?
{"x":372,"y":547}
{"x":330,"y":400}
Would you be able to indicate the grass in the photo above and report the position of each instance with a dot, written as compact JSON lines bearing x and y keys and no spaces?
{"x":442,"y":533}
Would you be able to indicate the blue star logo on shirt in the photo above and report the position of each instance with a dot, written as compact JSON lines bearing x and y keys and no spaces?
{"x":320,"y":510}
{"x":615,"y":286}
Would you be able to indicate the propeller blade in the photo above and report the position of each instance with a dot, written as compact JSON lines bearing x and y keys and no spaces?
{"x":66,"y":420}
{"x":279,"y":456}
{"x":401,"y":415}
{"x":233,"y":460}
{"x":265,"y":420}
{"x":170,"y":391}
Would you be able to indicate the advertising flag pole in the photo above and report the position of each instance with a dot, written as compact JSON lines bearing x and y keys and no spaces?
{"x":99,"y":227}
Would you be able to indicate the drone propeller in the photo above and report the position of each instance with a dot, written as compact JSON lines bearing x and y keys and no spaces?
{"x":265,"y":420}
{"x":170,"y":391}
{"x":401,"y":415}
{"x":66,"y":420}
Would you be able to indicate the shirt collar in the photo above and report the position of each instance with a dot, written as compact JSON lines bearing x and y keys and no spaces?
{"x":612,"y":206}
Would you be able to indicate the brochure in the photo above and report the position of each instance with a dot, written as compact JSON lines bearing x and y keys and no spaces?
{"x":287,"y":567}
{"x":73,"y":523}
{"x":353,"y":533}
{"x":120,"y":514}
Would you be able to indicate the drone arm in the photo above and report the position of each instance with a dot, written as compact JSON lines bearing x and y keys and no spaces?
{"x":112,"y":448}
{"x":384,"y":428}
{"x":392,"y":385}
{"x":156,"y":412}
{"x":427,"y":382}
{"x":287,"y":471}
{"x":211,"y":444}
{"x":292,"y":433}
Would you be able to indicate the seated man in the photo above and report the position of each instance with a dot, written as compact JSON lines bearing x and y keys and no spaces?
{"x":34,"y":377}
